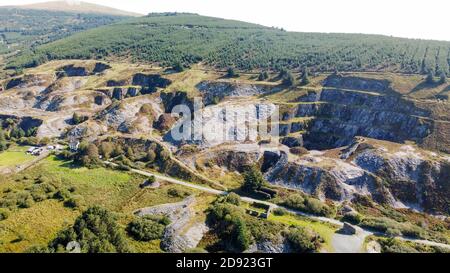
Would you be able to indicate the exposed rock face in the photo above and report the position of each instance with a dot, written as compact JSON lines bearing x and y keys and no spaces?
{"x":122,"y":116}
{"x":118,"y":93}
{"x":25,"y":123}
{"x":230,"y":122}
{"x":38,"y":82}
{"x":101,"y":67}
{"x":180,"y":235}
{"x":401,"y":177}
{"x":292,"y":141}
{"x":212,"y":90}
{"x":358,"y":83}
{"x":277,"y":245}
{"x":73,"y":70}
{"x":340,"y":115}
{"x":348,"y":229}
{"x":165,"y":122}
{"x":416,"y":179}
{"x":149,"y":83}
{"x":233,"y":159}
{"x":114,"y":83}
{"x":170,"y":100}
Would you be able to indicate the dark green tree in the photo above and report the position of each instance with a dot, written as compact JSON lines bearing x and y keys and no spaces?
{"x":289,"y":79}
{"x":3,"y":144}
{"x":430,"y":78}
{"x":305,"y":77}
{"x":145,"y":230}
{"x":442,"y":78}
{"x":263,"y":76}
{"x":96,"y":230}
{"x":178,"y":67}
{"x":231,"y":72}
{"x":253,"y":179}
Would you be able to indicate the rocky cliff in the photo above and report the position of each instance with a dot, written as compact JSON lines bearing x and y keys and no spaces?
{"x":400,"y":176}
{"x":349,"y":106}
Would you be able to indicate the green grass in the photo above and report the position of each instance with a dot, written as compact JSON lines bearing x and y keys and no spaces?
{"x":326,"y":231}
{"x":34,"y":226}
{"x":15,"y":155}
{"x":114,"y":190}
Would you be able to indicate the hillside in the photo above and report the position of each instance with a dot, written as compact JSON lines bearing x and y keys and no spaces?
{"x":371,"y":149}
{"x":80,"y":7}
{"x":21,"y":29}
{"x":187,"y":38}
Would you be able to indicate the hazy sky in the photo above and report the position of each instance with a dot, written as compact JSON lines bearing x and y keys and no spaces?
{"x":427,"y":19}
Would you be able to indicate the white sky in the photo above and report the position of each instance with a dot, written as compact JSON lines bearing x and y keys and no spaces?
{"x":426,"y":19}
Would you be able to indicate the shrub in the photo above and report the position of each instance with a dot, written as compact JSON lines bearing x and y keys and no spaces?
{"x":74,"y":202}
{"x":442,"y":78}
{"x":308,"y":205}
{"x":280,"y":211}
{"x":62,"y":195}
{"x":305,"y":77}
{"x":106,"y":149}
{"x":145,"y":229}
{"x":4,"y":214}
{"x":176,"y":192}
{"x":178,"y":67}
{"x":289,"y":79}
{"x":430,"y":78}
{"x":96,"y":230}
{"x":303,"y":241}
{"x":38,"y":249}
{"x":233,"y":198}
{"x":352,"y":218}
{"x":151,"y":156}
{"x":123,"y":167}
{"x":229,"y":223}
{"x":253,"y":180}
{"x":393,"y":232}
{"x":151,"y":179}
{"x":231,"y":73}
{"x":263,"y":76}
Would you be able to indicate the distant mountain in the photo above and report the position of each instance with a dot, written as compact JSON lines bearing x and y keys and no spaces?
{"x":169,"y":38}
{"x":78,"y":7}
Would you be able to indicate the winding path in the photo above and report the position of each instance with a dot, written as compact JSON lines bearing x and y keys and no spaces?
{"x":341,"y":243}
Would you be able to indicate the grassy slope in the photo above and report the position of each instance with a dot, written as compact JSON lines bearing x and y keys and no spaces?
{"x":326,"y":231}
{"x":14,"y":156}
{"x":192,"y":38}
{"x":117,"y":191}
{"x":82,"y":7}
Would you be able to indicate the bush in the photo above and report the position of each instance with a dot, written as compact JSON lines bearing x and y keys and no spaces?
{"x":263,"y":76}
{"x":303,"y":241}
{"x":229,"y":223}
{"x":4,"y":214}
{"x":74,"y":202}
{"x":233,"y":198}
{"x":231,"y":73}
{"x":289,"y":79}
{"x":145,"y":229}
{"x":352,"y":218}
{"x":253,"y":180}
{"x":308,"y":205}
{"x":176,"y":193}
{"x":393,"y":232}
{"x":62,"y":195}
{"x":280,"y":211}
{"x":96,"y":230}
